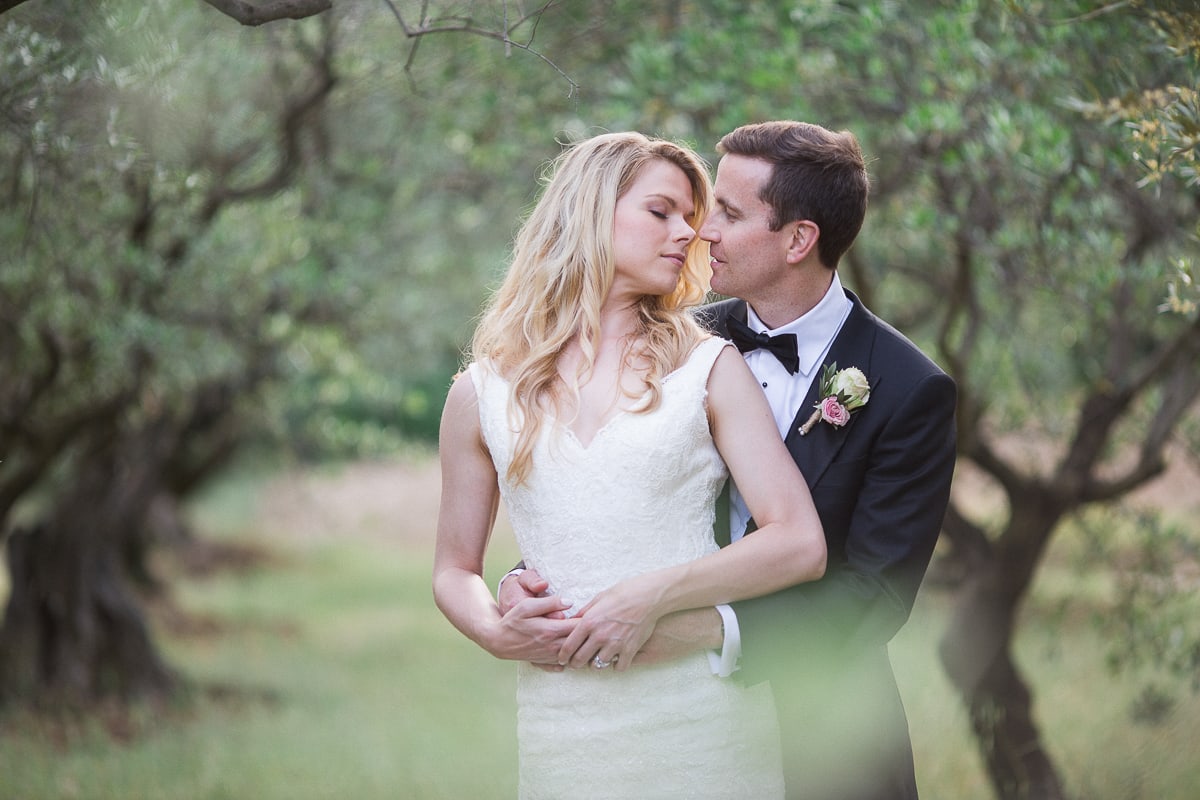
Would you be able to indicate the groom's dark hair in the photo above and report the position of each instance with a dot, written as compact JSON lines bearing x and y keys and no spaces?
{"x":818,"y":175}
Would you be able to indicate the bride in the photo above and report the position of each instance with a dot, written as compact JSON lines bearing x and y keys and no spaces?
{"x":607,"y":421}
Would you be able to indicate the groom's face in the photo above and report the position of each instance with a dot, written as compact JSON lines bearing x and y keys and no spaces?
{"x":748,"y":258}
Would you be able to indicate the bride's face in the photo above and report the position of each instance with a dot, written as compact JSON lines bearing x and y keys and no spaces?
{"x":652,"y":229}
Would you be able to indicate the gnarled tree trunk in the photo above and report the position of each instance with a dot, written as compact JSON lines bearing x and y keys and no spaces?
{"x":74,"y":629}
{"x":976,"y":652}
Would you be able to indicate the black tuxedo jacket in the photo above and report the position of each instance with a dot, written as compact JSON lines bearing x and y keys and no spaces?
{"x":881,"y":485}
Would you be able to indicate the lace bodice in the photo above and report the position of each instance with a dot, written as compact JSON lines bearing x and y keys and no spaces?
{"x":639,"y":496}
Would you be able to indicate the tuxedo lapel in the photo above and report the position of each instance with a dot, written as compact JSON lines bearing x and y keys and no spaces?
{"x":852,"y":347}
{"x":814,"y":451}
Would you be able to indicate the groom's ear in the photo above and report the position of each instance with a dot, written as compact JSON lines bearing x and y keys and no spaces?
{"x":805,"y":234}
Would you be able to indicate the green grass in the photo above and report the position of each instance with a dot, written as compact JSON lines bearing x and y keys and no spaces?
{"x":327,"y":672}
{"x":340,"y":679}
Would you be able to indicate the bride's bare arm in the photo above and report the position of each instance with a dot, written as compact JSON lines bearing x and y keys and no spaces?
{"x":470,"y":496}
{"x":787,"y":548}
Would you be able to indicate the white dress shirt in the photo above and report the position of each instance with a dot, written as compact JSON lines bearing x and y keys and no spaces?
{"x":815,"y":332}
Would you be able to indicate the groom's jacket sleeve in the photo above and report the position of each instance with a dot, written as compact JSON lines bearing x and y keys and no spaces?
{"x":881,"y":502}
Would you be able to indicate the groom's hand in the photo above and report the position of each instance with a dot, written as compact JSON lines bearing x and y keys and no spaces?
{"x":519,"y":592}
{"x":522,"y":586}
{"x":681,"y":634}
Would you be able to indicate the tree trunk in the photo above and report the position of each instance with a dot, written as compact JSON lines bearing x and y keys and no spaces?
{"x":976,"y":654}
{"x":74,"y":630}
{"x":1001,"y":713}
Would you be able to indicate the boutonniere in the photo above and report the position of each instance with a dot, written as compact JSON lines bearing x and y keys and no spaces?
{"x":842,"y":391}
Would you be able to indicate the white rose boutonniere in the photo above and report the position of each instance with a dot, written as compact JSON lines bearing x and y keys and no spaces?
{"x":842,"y":391}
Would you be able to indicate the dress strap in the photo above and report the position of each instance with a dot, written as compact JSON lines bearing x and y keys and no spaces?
{"x":701,"y":360}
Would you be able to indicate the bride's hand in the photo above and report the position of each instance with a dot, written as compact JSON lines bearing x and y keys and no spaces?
{"x":614,"y":625}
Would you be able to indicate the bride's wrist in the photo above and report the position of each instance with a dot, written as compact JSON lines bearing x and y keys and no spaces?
{"x":490,"y":635}
{"x":663,"y":595}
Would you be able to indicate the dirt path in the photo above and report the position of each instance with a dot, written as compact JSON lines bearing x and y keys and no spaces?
{"x":389,"y":501}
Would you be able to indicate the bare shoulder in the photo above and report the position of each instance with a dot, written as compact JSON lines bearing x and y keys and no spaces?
{"x":733,"y":392}
{"x":460,"y":414}
{"x":462,"y":394}
{"x":729,"y":373}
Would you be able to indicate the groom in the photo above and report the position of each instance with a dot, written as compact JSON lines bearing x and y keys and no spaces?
{"x":790,"y":200}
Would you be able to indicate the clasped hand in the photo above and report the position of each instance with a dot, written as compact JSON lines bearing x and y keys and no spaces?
{"x":611,"y":628}
{"x":533,"y":628}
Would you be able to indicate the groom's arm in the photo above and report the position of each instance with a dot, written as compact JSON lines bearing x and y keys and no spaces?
{"x":890,"y":530}
{"x":681,"y":634}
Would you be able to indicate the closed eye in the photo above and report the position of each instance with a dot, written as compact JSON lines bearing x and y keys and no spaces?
{"x":727,"y":211}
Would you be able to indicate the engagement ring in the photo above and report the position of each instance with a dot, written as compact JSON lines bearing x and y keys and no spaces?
{"x":600,"y":663}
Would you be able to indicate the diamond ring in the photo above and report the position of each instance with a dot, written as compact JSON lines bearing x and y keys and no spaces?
{"x":600,"y":663}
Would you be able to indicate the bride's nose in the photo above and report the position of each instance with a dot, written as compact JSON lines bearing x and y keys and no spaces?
{"x":684,"y":233}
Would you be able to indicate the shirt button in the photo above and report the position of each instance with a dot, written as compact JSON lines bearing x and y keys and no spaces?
{"x":764,"y":384}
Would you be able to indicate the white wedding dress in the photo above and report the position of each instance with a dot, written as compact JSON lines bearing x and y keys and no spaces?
{"x":638,"y":497}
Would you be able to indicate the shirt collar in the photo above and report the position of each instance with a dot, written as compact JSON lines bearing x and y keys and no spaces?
{"x":815,"y":329}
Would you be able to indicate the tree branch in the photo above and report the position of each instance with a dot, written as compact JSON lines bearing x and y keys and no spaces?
{"x":260,"y":12}
{"x":46,"y":445}
{"x":1178,"y":352}
{"x":296,"y":112}
{"x":988,"y":459}
{"x":1179,"y":392}
{"x":21,"y":395}
{"x":457,"y":24}
{"x":970,"y":548}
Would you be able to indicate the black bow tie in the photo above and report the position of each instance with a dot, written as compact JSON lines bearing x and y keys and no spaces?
{"x":783,"y":346}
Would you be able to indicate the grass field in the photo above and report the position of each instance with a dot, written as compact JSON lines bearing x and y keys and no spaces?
{"x":321,"y":669}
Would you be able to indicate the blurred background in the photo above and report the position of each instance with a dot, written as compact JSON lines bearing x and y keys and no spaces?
{"x":240,"y":259}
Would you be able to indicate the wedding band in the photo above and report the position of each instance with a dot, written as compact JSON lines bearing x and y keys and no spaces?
{"x":600,"y":663}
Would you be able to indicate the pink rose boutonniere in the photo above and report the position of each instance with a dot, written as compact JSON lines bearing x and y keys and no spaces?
{"x":841,"y":393}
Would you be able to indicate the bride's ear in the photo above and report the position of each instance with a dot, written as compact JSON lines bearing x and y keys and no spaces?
{"x":805,"y":234}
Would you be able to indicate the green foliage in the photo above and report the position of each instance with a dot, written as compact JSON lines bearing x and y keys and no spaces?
{"x":1154,"y":620}
{"x":339,"y":407}
{"x":1182,"y":291}
{"x":97,"y":224}
{"x":425,"y":165}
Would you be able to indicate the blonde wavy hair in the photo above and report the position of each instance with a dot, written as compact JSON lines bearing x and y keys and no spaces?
{"x":561,"y":272}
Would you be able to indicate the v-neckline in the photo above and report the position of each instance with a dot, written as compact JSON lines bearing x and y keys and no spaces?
{"x":608,"y":423}
{"x":616,"y":414}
